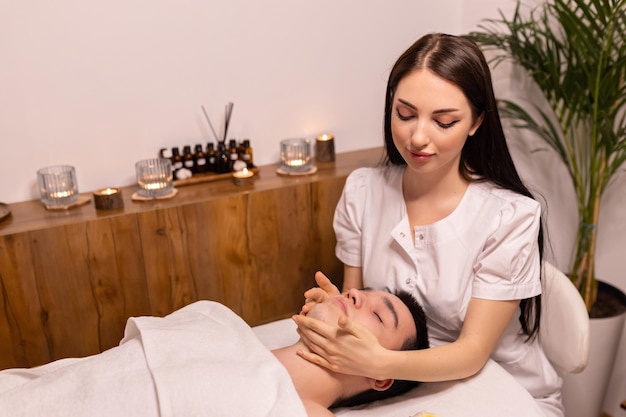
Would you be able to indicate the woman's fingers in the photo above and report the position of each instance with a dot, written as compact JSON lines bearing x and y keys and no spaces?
{"x":319,"y":294}
{"x":315,"y":294}
{"x":324,"y":283}
{"x":346,"y":347}
{"x":322,"y":337}
{"x":308,"y":305}
{"x":348,"y":326}
{"x":315,"y":333}
{"x":309,"y":326}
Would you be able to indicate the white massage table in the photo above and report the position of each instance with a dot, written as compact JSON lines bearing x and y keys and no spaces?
{"x":491,"y":393}
{"x":203,"y":360}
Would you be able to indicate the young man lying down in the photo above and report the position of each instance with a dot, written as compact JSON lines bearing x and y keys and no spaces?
{"x":203,"y":360}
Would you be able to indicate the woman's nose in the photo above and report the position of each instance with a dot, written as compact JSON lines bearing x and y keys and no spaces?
{"x":355,"y":296}
{"x":419,"y":136}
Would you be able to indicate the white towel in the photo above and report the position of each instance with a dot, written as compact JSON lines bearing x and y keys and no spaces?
{"x":202,"y":360}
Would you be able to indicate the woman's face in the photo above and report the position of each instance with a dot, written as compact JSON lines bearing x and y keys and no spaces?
{"x":430,"y":122}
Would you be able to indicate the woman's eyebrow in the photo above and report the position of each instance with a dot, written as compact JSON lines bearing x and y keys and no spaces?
{"x":406,"y":103}
{"x":440,"y":111}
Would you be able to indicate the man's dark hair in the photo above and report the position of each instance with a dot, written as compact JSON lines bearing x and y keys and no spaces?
{"x":399,"y":386}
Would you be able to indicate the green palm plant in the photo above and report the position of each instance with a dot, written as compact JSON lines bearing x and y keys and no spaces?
{"x":575,"y":51}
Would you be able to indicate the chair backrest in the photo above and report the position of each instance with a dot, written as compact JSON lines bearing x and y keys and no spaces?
{"x":564,"y":332}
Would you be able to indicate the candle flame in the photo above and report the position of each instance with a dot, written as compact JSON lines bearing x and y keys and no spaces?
{"x":62,"y":194}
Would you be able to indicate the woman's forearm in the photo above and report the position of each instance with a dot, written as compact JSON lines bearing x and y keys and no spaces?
{"x":442,"y":363}
{"x":485,"y":322}
{"x":352,"y":277}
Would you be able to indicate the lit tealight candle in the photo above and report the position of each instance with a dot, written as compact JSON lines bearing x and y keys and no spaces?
{"x":242,"y":177}
{"x":325,"y":148}
{"x":108,"y":199}
{"x":155,"y":186}
{"x":295,"y":162}
{"x":62,"y":194}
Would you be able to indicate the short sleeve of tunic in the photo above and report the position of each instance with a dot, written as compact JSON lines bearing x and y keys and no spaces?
{"x":349,"y":218}
{"x":508,"y":265}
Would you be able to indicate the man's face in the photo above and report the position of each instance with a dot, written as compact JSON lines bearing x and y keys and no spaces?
{"x":382,"y":313}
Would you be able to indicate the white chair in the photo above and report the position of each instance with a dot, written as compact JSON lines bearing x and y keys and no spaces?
{"x":564,"y":332}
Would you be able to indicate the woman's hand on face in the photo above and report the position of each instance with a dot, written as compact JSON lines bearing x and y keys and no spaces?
{"x":319,"y":294}
{"x":347,"y":348}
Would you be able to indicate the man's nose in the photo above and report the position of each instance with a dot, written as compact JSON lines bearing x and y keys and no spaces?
{"x":355,"y":296}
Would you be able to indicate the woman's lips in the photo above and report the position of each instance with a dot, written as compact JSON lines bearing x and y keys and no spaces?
{"x":421,"y":156}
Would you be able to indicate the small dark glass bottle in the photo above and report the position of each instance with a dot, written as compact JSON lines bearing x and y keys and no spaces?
{"x":240,"y":151}
{"x":177,"y":161}
{"x":200,"y":162}
{"x":247,"y":153}
{"x":222,"y":164}
{"x":211,"y":155}
{"x":233,"y":155}
{"x":188,"y":161}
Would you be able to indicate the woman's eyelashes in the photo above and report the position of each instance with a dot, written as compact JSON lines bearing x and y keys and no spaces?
{"x":446,"y":125}
{"x":404,"y":116}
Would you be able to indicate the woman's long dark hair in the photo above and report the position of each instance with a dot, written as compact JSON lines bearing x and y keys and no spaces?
{"x":485,"y":155}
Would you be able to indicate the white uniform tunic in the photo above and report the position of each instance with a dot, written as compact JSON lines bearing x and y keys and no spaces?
{"x":486,"y":248}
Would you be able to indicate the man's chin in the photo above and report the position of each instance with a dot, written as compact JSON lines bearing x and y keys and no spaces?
{"x":322,"y":313}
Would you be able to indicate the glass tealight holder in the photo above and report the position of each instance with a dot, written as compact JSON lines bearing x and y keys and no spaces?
{"x":154,"y":177}
{"x":57,"y":185}
{"x":295,"y":155}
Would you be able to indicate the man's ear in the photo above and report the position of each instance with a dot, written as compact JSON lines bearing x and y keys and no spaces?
{"x":380,"y":384}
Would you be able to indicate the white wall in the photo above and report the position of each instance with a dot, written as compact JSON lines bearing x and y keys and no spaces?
{"x":101,"y":85}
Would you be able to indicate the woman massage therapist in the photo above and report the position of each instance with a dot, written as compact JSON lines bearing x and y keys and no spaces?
{"x":447,"y":218}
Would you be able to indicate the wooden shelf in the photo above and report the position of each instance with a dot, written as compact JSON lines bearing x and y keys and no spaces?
{"x":31,"y":215}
